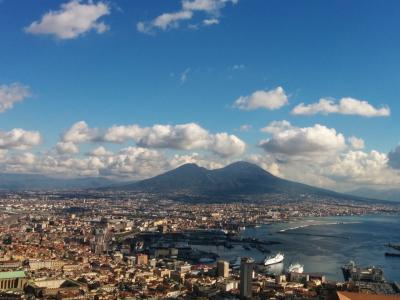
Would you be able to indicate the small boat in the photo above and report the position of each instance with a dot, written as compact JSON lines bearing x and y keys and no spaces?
{"x":275,"y":259}
{"x":296,"y":268}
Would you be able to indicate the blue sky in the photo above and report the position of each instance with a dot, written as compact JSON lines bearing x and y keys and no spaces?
{"x":117,"y":73}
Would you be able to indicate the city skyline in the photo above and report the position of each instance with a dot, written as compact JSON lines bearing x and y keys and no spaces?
{"x":131,"y":89}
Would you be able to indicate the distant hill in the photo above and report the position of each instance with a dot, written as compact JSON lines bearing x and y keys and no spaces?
{"x":14,"y":181}
{"x":240,"y":178}
{"x":387,"y":194}
{"x":237,"y":181}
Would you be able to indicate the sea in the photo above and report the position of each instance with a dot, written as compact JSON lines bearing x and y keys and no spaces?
{"x":325,"y":244}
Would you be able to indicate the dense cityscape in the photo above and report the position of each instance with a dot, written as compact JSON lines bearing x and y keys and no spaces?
{"x":101,"y":245}
{"x":199,"y":149}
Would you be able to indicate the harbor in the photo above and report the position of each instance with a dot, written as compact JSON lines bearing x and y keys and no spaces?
{"x":317,"y":250}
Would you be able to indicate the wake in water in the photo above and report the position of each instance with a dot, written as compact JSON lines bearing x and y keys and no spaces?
{"x":316,"y":224}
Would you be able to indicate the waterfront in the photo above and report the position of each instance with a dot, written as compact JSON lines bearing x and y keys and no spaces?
{"x":323,"y":245}
{"x":113,"y":248}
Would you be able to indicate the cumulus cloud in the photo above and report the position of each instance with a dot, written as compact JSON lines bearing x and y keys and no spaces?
{"x":196,"y":158}
{"x":188,"y":136}
{"x":13,"y":93}
{"x":18,"y":138}
{"x":67,"y":147}
{"x":346,"y":106}
{"x":119,"y":134}
{"x":266,"y":162}
{"x":72,"y":20}
{"x":137,"y":162}
{"x":100,"y":151}
{"x":321,"y":156}
{"x":356,"y":143}
{"x":296,"y":141}
{"x":167,"y":21}
{"x":127,"y":163}
{"x":226,"y":145}
{"x":80,"y":132}
{"x":268,"y":99}
{"x":363,"y":168}
{"x":183,"y":137}
{"x":25,"y":158}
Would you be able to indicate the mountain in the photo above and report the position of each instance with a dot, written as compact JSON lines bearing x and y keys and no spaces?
{"x":14,"y":181}
{"x":237,"y":179}
{"x":387,"y":194}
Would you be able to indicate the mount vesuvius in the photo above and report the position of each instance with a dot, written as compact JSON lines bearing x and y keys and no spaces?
{"x":239,"y":179}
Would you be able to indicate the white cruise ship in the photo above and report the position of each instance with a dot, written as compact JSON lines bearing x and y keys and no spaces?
{"x":271,"y":260}
{"x":297,"y":268}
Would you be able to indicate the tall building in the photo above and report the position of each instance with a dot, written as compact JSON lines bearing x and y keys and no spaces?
{"x":141,"y":259}
{"x":223,"y":268}
{"x":246,"y":277}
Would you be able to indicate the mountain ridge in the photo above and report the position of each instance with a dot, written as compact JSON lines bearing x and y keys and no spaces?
{"x":391,"y":194}
{"x":237,"y":179}
{"x":26,"y":181}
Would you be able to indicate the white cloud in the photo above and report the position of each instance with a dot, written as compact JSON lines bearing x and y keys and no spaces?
{"x":266,"y":162}
{"x":72,"y":20}
{"x":268,"y":99}
{"x":294,"y":141}
{"x":358,"y":167}
{"x":67,"y":147}
{"x":80,"y":133}
{"x":195,"y":158}
{"x":356,"y":143}
{"x":209,"y":22}
{"x":319,"y":156}
{"x":346,"y":106}
{"x":18,"y":138}
{"x":188,"y":136}
{"x":277,"y":127}
{"x":315,"y":155}
{"x":226,"y":145}
{"x":167,"y":21}
{"x":119,"y":134}
{"x":185,"y":137}
{"x":139,"y":162}
{"x":13,"y":93}
{"x":25,"y":158}
{"x":211,"y":6}
{"x":136,"y":162}
{"x":100,"y":151}
{"x":164,"y":22}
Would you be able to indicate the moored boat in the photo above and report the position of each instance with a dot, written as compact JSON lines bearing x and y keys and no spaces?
{"x":275,"y":259}
{"x":296,"y":268}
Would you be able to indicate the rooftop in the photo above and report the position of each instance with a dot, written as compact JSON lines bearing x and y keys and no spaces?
{"x":12,"y":274}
